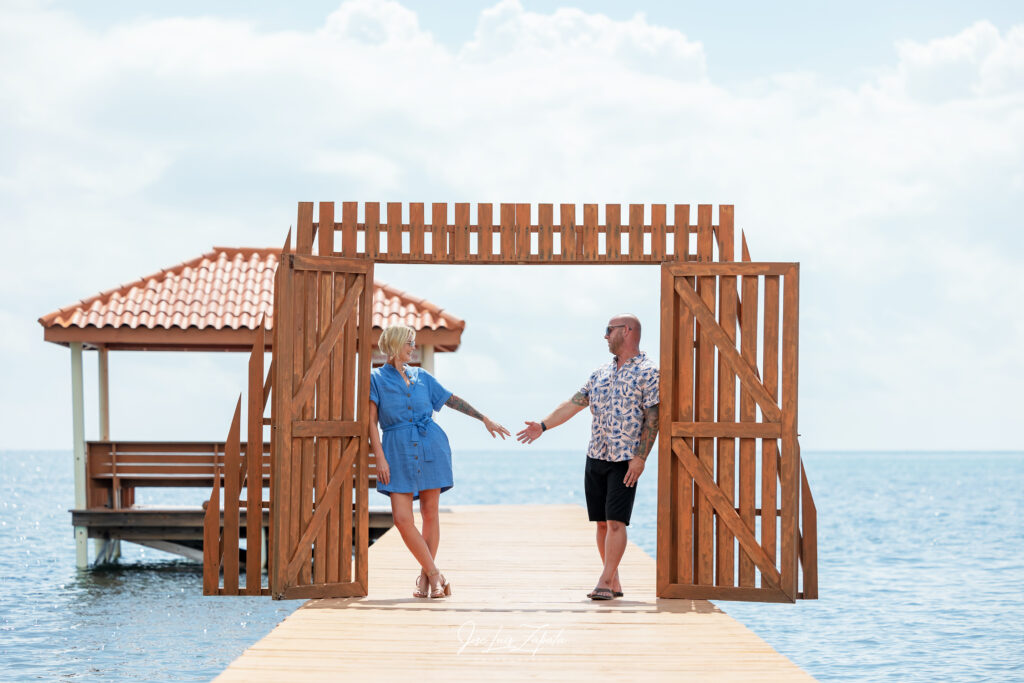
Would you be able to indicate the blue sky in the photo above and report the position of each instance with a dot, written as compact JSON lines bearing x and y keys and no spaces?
{"x":879,"y":144}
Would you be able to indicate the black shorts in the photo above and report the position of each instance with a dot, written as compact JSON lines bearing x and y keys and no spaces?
{"x":607,"y":497}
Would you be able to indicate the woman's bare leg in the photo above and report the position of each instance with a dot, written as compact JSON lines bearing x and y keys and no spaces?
{"x":429,"y":501}
{"x":401,"y":511}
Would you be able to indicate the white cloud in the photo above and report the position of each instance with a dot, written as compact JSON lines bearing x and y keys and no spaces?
{"x":138,"y":146}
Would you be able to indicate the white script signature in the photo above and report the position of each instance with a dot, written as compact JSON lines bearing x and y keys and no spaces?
{"x":528,"y":638}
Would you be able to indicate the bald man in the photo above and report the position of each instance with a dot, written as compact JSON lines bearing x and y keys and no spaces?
{"x":623,"y":398}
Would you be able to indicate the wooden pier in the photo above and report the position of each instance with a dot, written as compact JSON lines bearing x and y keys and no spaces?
{"x":518,"y":611}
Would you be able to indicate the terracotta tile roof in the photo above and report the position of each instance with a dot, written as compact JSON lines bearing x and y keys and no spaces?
{"x":228,"y":288}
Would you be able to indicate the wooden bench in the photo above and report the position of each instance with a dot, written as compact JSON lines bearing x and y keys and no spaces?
{"x":114,"y":469}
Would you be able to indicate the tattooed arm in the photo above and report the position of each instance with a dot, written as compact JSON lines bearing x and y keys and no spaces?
{"x":558,"y":416}
{"x":493,"y":428}
{"x":648,"y":433}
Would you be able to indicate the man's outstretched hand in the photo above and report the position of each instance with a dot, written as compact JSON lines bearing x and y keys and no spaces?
{"x":531,"y":433}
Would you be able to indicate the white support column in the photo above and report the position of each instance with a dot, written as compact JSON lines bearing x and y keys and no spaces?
{"x":78,"y":431}
{"x":104,"y":385}
{"x":427,"y":358}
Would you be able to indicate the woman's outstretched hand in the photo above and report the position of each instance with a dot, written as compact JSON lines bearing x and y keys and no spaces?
{"x":383,"y":471}
{"x":531,"y":433}
{"x":495,"y":429}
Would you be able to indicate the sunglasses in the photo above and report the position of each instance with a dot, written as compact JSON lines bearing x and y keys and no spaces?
{"x":608,"y":330}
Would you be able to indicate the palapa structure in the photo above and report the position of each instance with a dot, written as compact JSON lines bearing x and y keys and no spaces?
{"x":220,"y":301}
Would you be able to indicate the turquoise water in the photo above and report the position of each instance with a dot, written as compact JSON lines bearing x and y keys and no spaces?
{"x":921,"y":573}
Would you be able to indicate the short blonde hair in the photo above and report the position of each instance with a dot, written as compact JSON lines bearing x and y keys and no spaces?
{"x":393,"y":338}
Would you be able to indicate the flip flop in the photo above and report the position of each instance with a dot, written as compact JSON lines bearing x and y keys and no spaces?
{"x":602,"y":594}
{"x":617,"y":594}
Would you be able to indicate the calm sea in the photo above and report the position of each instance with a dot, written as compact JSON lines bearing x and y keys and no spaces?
{"x":921,"y":573}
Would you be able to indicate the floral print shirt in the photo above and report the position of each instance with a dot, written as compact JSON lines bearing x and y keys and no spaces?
{"x":618,"y":398}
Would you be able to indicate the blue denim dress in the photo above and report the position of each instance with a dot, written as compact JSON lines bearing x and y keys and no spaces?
{"x":415,"y":446}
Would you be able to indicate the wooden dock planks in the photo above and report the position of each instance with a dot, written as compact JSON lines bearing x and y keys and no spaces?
{"x":519,"y":576}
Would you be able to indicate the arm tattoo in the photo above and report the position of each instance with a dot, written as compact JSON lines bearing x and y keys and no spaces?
{"x":579,"y":399}
{"x":648,"y":433}
{"x":456,"y":403}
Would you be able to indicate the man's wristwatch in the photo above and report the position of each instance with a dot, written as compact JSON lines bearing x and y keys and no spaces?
{"x":543,"y":427}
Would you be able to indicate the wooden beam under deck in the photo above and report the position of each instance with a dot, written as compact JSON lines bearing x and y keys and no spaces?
{"x":170,"y":523}
{"x":518,"y":611}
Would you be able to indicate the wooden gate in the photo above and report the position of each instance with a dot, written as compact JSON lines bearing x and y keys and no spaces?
{"x":713,"y":543}
{"x":319,"y":460}
{"x":728,"y":528}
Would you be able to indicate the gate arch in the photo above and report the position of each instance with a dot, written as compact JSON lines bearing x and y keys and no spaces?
{"x":727,"y":530}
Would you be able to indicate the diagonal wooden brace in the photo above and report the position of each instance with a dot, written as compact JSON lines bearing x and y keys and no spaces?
{"x":744,"y":370}
{"x":342,"y":470}
{"x":323,"y":351}
{"x":726,"y":512}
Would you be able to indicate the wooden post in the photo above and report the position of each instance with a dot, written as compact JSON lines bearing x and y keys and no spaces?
{"x":104,"y":385}
{"x":78,"y":442}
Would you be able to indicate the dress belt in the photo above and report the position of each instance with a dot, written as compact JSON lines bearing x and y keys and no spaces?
{"x":420,"y":425}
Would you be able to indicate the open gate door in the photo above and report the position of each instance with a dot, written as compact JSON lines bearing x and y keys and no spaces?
{"x":728,"y":529}
{"x":319,"y":519}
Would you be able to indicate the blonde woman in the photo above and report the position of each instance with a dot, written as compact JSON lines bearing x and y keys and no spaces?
{"x":414,"y":461}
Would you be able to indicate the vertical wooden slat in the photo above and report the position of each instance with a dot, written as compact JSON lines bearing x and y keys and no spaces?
{"x":394,"y":229}
{"x":281,"y":420}
{"x":726,"y":408}
{"x":325,"y":544}
{"x":362,"y":542}
{"x":297,"y":413}
{"x":545,"y":220}
{"x":460,"y":241}
{"x":348,"y":412}
{"x":211,"y":538}
{"x":684,"y":403}
{"x":309,"y":490}
{"x":790,"y":457}
{"x":349,"y":228}
{"x":485,"y":227}
{"x":254,"y":466}
{"x":748,"y":413}
{"x":439,"y":231}
{"x":321,"y":547}
{"x":372,"y":230}
{"x":657,"y":232}
{"x":325,"y":234}
{"x":333,"y":401}
{"x":726,"y":234}
{"x":636,"y":232}
{"x":705,"y":409}
{"x":705,"y":234}
{"x":567,"y":220}
{"x":769,"y":447}
{"x":681,"y":231}
{"x":613,"y":231}
{"x":508,"y":232}
{"x":524,"y":221}
{"x":416,"y":229}
{"x":590,"y":232}
{"x":232,"y":464}
{"x":304,"y":229}
{"x":809,"y":545}
{"x":666,"y":540}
